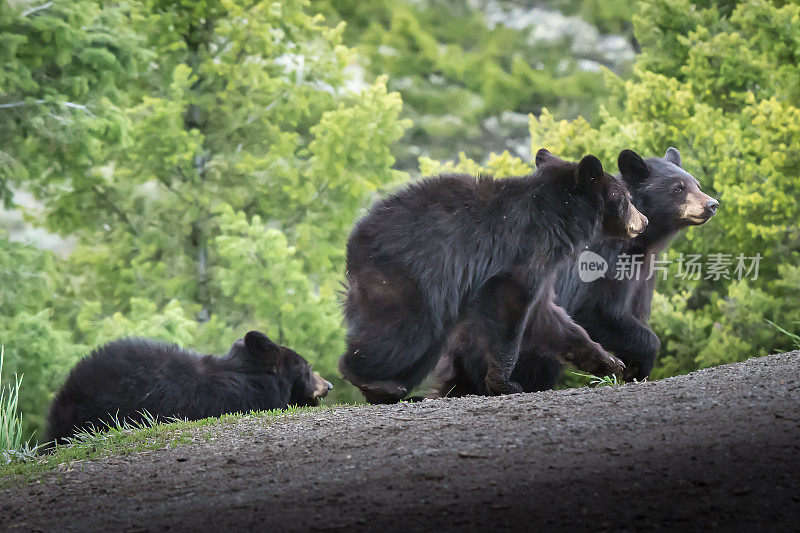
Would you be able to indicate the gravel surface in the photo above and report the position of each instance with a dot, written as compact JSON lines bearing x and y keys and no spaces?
{"x":719,"y":448}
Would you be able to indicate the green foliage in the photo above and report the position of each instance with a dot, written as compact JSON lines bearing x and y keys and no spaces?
{"x":143,"y":319}
{"x":610,"y":16}
{"x":228,"y":162}
{"x":681,"y":331}
{"x":297,"y":311}
{"x":469,"y":72}
{"x":500,"y":166}
{"x":63,"y":64}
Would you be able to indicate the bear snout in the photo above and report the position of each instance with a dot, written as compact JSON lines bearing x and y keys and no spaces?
{"x":711,"y":207}
{"x":699,"y":208}
{"x":636,"y":223}
{"x":322,"y":386}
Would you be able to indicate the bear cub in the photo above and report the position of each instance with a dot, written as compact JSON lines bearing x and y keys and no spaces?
{"x":126,"y":377}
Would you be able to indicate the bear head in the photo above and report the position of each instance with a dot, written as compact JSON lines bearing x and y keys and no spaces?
{"x":620,"y":218}
{"x":258,"y":352}
{"x":667,"y":194}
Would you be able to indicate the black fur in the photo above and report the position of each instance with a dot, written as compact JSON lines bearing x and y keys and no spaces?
{"x":127,"y":376}
{"x":420,"y":254}
{"x":614,"y":313}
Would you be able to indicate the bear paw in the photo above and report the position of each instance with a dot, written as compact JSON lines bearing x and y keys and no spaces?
{"x":608,"y":364}
{"x":597,"y":361}
{"x":636,"y":371}
{"x":497,"y":388}
{"x":383,"y":391}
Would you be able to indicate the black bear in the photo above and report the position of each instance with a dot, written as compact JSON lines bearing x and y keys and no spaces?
{"x":125,"y":377}
{"x":614,"y":312}
{"x":422,"y":252}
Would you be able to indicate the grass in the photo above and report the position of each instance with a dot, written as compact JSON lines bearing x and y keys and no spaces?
{"x":114,"y":429}
{"x":599,"y":381}
{"x":792,"y":336}
{"x":124,"y":438}
{"x":12,"y":445}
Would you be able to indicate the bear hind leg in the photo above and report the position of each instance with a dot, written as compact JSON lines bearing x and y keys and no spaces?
{"x":389,"y":336}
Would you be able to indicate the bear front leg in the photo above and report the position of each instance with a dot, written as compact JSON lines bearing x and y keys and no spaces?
{"x":498,"y":380}
{"x":631,"y":340}
{"x":501,"y":357}
{"x":555,"y":334}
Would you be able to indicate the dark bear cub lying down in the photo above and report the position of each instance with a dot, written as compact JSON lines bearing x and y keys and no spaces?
{"x":125,"y":377}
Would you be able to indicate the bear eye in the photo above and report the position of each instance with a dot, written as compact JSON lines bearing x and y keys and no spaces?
{"x":679,"y":188}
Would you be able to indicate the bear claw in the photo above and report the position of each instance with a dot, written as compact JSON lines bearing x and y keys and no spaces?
{"x":615,"y":366}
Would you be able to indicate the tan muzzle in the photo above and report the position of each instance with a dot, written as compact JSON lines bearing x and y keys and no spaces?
{"x":636,"y":222}
{"x":321,"y":386}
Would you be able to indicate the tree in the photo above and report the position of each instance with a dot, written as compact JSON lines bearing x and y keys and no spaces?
{"x":63,"y":64}
{"x":469,"y":73}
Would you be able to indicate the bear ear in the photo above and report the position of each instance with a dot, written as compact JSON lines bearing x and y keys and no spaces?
{"x":261,"y":348}
{"x":673,"y":156}
{"x":590,"y":172}
{"x":633,"y":169}
{"x":544,"y":156}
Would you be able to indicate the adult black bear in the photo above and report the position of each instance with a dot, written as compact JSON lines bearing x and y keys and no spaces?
{"x":615,"y":312}
{"x":419,"y":254}
{"x":125,"y":377}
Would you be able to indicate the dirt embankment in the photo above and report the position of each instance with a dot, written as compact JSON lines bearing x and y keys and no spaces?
{"x":718,"y":448}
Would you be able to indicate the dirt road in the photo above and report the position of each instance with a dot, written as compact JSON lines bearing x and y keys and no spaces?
{"x":718,"y":448}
